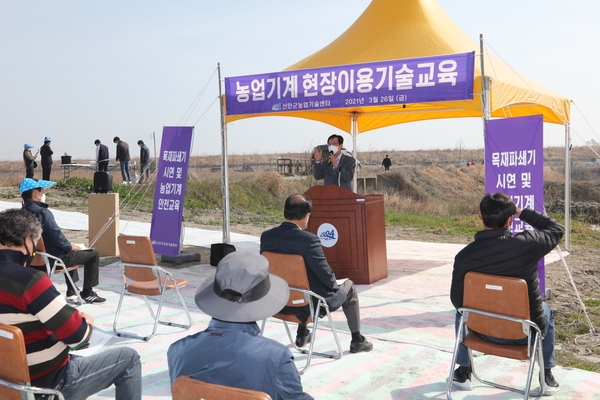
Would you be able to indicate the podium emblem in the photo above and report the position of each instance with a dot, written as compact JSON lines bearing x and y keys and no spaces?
{"x":328,"y":235}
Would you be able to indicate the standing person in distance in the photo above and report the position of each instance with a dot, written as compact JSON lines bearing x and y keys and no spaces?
{"x":46,"y":153}
{"x":386,"y":163}
{"x":102,"y":156}
{"x":338,"y":169}
{"x":29,"y":160}
{"x":144,"y":161}
{"x":123,"y":158}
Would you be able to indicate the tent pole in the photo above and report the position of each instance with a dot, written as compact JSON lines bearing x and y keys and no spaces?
{"x":224,"y":166}
{"x":485,"y":94}
{"x":567,"y":186}
{"x":354,"y":128}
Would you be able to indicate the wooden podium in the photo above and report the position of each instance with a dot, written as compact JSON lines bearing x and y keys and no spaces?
{"x":352,"y":230}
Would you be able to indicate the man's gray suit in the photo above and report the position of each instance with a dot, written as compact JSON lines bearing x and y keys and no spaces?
{"x":341,"y":176}
{"x":288,"y":238}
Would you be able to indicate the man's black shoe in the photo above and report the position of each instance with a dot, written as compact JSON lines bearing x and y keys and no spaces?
{"x":551,"y":385}
{"x":301,"y":341}
{"x":359,"y":347}
{"x":462,"y":378}
{"x":93,"y":298}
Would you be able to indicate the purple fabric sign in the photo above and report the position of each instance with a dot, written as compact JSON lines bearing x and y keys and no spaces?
{"x":514,"y":165}
{"x":408,"y":81}
{"x":167,"y":213}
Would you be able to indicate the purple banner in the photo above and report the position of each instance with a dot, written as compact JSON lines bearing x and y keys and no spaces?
{"x":514,"y":165}
{"x":408,"y":81}
{"x":167,"y":213}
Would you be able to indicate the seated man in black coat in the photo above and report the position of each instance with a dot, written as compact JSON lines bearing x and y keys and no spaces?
{"x":496,"y":251}
{"x":291,"y":238}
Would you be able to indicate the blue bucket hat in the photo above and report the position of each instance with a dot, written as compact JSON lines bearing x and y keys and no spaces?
{"x":29,"y":184}
{"x":29,"y":146}
{"x":47,"y":139}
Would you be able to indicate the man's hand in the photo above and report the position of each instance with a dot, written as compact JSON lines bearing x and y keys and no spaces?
{"x":317,"y":153}
{"x":518,"y":213}
{"x":88,"y":318}
{"x":76,"y":247}
{"x":333,"y":160}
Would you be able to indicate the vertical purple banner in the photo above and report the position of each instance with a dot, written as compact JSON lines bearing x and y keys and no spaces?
{"x":167,"y":213}
{"x":514,"y":165}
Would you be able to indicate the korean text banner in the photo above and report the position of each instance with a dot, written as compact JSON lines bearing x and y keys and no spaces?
{"x":407,"y":81}
{"x":167,"y":213}
{"x":514,"y":165}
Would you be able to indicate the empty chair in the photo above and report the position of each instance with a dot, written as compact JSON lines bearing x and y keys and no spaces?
{"x":186,"y":388}
{"x":291,"y":268}
{"x":15,"y":383}
{"x":141,"y":276}
{"x":498,"y":306}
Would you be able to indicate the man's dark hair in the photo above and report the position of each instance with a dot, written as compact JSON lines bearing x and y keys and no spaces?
{"x":97,"y":141}
{"x":16,"y":224}
{"x":296,"y":207}
{"x":496,"y":209}
{"x":340,"y":139}
{"x":28,"y":195}
{"x":116,"y":139}
{"x":141,"y":142}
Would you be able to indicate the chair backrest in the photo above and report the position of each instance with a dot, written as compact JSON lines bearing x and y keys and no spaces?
{"x":186,"y":388}
{"x":499,"y":295}
{"x":291,"y":268}
{"x":13,"y":367}
{"x":137,"y":250}
{"x":38,"y":260}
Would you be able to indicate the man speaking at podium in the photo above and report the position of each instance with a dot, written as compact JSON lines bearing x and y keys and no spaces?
{"x":337,"y":169}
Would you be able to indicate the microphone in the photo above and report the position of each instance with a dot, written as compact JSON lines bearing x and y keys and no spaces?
{"x":328,"y":159}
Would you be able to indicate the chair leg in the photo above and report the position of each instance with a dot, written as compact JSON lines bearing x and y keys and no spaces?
{"x":68,"y":277}
{"x":187,"y":313}
{"x":155,"y":315}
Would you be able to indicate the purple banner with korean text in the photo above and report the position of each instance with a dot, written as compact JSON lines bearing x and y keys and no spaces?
{"x":407,"y":81}
{"x":169,"y":194}
{"x":514,"y":165}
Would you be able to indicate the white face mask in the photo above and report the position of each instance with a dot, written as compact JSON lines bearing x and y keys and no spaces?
{"x":43,"y":199}
{"x":332,"y":148}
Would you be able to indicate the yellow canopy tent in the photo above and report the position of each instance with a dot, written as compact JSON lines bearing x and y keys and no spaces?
{"x":399,"y":29}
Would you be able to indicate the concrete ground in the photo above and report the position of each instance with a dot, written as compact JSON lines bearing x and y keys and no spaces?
{"x":408,"y":316}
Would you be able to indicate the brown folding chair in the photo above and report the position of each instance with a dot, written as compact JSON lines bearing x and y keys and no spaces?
{"x":186,"y":388}
{"x":15,"y":383}
{"x":498,"y":306}
{"x":143,"y":277}
{"x":53,"y":265}
{"x":291,"y":268}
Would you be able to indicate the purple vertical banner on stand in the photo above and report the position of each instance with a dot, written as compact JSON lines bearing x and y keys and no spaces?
{"x":169,"y":195}
{"x":514,"y":165}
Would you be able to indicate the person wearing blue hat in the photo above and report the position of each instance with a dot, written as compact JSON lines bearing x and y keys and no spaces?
{"x":46,"y":153}
{"x":29,"y":160}
{"x":34,"y":201}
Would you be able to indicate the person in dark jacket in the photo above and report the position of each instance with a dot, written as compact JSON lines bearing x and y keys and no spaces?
{"x":46,"y":153}
{"x":337,"y":169}
{"x":144,"y":161}
{"x":29,"y":160}
{"x":291,"y":238}
{"x":123,"y":158}
{"x":34,"y":201}
{"x":496,"y":251}
{"x":102,"y":156}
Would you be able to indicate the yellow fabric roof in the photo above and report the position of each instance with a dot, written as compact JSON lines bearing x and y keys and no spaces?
{"x":398,"y":29}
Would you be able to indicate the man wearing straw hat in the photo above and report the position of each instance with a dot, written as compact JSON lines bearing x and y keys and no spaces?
{"x":230,"y":351}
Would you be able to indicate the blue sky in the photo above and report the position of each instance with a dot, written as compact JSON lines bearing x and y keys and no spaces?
{"x":83,"y":70}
